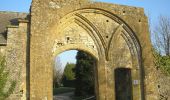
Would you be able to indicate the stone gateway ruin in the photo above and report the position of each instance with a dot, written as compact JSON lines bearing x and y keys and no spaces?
{"x":116,"y":35}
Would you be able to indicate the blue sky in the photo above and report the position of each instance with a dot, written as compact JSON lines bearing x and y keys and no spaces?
{"x":15,"y":5}
{"x":153,"y":8}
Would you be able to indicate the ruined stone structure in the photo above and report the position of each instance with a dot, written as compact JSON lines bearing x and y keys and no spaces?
{"x":116,"y":35}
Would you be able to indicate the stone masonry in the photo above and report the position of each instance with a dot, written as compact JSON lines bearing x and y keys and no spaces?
{"x":116,"y":35}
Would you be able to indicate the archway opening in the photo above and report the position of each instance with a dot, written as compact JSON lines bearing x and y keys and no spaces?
{"x":77,"y":73}
{"x":123,"y":84}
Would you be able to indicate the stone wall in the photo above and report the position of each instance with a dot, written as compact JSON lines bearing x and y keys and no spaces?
{"x":101,"y":21}
{"x":16,"y":59}
{"x":116,"y":35}
{"x":2,"y":50}
{"x":163,"y":86}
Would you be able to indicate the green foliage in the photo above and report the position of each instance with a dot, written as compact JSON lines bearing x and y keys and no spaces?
{"x":68,"y":71}
{"x":84,"y":73}
{"x":4,"y":79}
{"x":69,"y":75}
{"x":163,"y":63}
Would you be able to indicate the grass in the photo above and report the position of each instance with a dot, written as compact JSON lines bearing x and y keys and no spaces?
{"x":61,"y":90}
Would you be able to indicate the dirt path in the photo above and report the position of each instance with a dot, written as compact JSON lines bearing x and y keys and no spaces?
{"x":64,"y":96}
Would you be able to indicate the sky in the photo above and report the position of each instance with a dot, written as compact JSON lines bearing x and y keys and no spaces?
{"x":153,"y":8}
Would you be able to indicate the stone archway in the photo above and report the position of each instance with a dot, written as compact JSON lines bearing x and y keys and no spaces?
{"x":76,"y":31}
{"x":110,"y":36}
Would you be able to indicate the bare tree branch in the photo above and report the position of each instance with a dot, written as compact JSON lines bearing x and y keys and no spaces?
{"x":162,"y":36}
{"x":57,"y":72}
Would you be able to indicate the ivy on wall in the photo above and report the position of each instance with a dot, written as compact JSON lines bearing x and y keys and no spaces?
{"x":4,"y":79}
{"x":163,"y":63}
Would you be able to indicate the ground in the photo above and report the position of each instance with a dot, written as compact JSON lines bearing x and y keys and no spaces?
{"x":64,"y":96}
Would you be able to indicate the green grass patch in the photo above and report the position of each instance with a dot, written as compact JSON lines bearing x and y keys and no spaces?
{"x":61,"y":90}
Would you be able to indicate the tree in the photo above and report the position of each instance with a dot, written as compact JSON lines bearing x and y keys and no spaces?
{"x":68,"y":71}
{"x":163,"y":63}
{"x":4,"y":79}
{"x":57,"y":73}
{"x":84,"y":73}
{"x":162,"y":36}
{"x":161,"y":43}
{"x":69,"y":75}
{"x":161,"y":51}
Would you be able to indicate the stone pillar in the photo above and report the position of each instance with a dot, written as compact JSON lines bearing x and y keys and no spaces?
{"x":102,"y":79}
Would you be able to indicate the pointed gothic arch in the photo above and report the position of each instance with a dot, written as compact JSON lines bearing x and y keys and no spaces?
{"x":98,"y":28}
